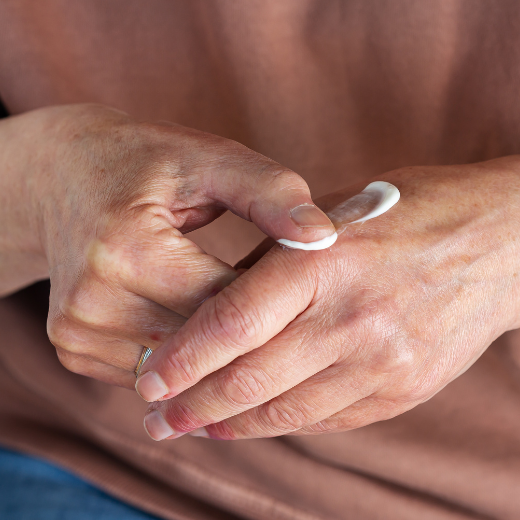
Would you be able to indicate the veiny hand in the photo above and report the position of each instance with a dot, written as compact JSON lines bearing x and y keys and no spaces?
{"x":309,"y":342}
{"x":109,"y":198}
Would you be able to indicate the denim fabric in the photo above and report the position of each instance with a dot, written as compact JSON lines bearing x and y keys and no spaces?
{"x":32,"y":489}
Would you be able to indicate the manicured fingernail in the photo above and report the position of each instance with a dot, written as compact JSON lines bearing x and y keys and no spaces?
{"x":151,"y":387}
{"x":157,"y":427}
{"x":200,"y":432}
{"x":309,"y":215}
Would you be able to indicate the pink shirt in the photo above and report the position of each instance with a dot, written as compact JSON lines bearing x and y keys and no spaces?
{"x":338,"y":91}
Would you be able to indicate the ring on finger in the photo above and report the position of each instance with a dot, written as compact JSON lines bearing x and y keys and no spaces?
{"x":144,"y":356}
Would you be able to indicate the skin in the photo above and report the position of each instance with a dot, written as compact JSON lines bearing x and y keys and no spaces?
{"x":310,"y":342}
{"x":99,"y":202}
{"x":304,"y":342}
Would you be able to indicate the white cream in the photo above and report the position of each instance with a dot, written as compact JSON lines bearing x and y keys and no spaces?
{"x":324,"y":243}
{"x":377,"y":198}
{"x":380,"y":196}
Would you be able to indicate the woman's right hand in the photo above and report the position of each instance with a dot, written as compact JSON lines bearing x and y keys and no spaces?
{"x":99,"y":202}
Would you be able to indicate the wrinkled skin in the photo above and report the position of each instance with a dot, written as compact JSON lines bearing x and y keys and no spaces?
{"x":99,"y":202}
{"x":307,"y":342}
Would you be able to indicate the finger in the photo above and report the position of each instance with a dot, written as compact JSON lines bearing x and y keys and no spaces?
{"x":183,"y":280}
{"x":101,"y":307}
{"x":245,"y":315}
{"x":98,"y":347}
{"x":151,"y":258}
{"x":290,"y":358}
{"x":366,"y":411}
{"x":252,"y":186}
{"x":315,"y":399}
{"x":113,"y":312}
{"x":109,"y":327}
{"x":277,"y":200}
{"x":102,"y":372}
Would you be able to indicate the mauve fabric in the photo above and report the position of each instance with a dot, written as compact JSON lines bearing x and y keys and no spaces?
{"x":338,"y":91}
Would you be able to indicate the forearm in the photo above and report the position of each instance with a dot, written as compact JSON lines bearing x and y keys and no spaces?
{"x":22,"y":260}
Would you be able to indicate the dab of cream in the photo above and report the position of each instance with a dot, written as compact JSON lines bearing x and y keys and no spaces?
{"x":324,"y":243}
{"x":377,"y":198}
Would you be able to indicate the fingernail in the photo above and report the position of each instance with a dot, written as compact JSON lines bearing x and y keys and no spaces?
{"x":151,"y":387}
{"x":309,"y":215}
{"x":157,"y":427}
{"x":200,"y":432}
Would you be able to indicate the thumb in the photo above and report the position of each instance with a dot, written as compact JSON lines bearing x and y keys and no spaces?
{"x":274,"y":198}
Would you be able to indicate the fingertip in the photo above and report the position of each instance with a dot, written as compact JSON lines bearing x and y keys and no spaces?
{"x":158,"y":428}
{"x":151,"y":387}
{"x":281,"y":206}
{"x":308,"y":224}
{"x":308,"y":215}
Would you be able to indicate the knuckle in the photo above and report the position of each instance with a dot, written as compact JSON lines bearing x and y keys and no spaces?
{"x":71,"y":361}
{"x":325,"y":426}
{"x":62,"y":337}
{"x":381,"y":321}
{"x":225,"y":432}
{"x":419,"y":389}
{"x":181,"y":368}
{"x":104,"y":258}
{"x":233,"y":324}
{"x":396,"y":357}
{"x":92,"y":304}
{"x":364,"y":323}
{"x":283,"y":417}
{"x":56,"y":332}
{"x":79,"y":306}
{"x":379,"y":327}
{"x":244,"y":386}
{"x":124,"y":250}
{"x":281,"y":177}
{"x":119,"y":257}
{"x":181,"y":417}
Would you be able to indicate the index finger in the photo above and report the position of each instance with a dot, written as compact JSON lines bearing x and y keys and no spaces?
{"x":244,"y":316}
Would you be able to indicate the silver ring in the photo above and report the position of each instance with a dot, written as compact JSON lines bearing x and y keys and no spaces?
{"x":144,"y":356}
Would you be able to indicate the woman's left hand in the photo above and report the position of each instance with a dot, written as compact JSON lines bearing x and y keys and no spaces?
{"x":309,"y":342}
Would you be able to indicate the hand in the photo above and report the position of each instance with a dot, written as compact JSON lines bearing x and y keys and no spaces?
{"x":108,"y":199}
{"x":311,"y":342}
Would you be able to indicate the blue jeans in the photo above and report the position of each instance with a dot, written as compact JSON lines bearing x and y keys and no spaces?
{"x":32,"y":489}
